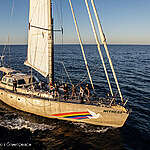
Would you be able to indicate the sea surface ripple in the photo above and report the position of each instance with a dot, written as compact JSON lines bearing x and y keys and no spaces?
{"x":132,"y":66}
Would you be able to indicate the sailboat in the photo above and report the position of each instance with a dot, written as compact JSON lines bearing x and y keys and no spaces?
{"x":25,"y":97}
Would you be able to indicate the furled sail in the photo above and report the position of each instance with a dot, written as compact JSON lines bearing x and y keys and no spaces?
{"x":37,"y":56}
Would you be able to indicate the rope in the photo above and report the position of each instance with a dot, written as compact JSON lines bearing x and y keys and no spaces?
{"x":103,"y":39}
{"x":79,"y":83}
{"x":67,"y":73}
{"x":62,"y":35}
{"x":12,"y":9}
{"x":98,"y":46}
{"x":81,"y":44}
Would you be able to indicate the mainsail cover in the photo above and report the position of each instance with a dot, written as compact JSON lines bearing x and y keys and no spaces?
{"x":37,"y":56}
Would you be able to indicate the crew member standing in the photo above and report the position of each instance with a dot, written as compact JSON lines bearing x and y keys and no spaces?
{"x":66,"y":96}
{"x":56,"y":93}
{"x":51,"y":87}
{"x":87,"y":92}
{"x":81,"y":94}
{"x":73,"y":92}
{"x":14,"y":85}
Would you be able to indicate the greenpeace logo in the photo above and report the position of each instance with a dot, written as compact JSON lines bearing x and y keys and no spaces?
{"x":113,"y":111}
{"x":8,"y":144}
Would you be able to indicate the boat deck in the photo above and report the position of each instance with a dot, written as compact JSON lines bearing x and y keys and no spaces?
{"x":76,"y":100}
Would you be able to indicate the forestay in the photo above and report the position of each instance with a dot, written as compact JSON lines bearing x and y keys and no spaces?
{"x":37,"y":56}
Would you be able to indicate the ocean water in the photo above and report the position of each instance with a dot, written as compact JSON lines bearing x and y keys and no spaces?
{"x":20,"y":130}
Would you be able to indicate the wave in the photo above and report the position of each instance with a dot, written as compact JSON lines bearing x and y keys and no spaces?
{"x":19,"y":123}
{"x":91,"y":128}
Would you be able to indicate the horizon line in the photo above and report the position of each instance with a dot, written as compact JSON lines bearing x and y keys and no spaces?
{"x":83,"y":44}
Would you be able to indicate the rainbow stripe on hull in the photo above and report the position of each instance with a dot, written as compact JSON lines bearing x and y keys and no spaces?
{"x":74,"y":115}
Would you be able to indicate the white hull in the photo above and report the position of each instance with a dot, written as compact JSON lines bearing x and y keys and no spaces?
{"x":114,"y":116}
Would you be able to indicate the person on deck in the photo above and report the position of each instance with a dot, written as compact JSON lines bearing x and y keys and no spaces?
{"x":66,"y":94}
{"x":40,"y":85}
{"x":14,"y":85}
{"x":73,"y":92}
{"x":51,"y":87}
{"x":87,"y":92}
{"x":81,"y":94}
{"x":56,"y":93}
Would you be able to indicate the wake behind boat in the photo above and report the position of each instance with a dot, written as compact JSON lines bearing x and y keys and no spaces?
{"x":25,"y":92}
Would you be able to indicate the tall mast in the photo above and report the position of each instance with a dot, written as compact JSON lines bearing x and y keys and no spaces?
{"x":98,"y":45}
{"x":103,"y":39}
{"x":50,"y":44}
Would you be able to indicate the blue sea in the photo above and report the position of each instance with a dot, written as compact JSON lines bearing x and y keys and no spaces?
{"x":20,"y":130}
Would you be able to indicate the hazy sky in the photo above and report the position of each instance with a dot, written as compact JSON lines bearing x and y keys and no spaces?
{"x":123,"y":21}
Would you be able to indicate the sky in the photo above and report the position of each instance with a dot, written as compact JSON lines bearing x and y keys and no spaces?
{"x":123,"y":21}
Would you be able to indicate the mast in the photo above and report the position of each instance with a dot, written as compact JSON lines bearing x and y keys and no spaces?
{"x":103,"y":39}
{"x":98,"y":46}
{"x":50,"y":44}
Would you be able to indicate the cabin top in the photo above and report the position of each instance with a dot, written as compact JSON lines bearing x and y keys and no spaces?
{"x":22,"y":79}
